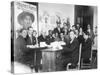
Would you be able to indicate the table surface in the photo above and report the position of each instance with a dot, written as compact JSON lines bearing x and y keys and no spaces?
{"x":45,"y":49}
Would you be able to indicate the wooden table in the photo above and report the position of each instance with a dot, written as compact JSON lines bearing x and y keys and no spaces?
{"x":34,"y":50}
{"x":49,"y":59}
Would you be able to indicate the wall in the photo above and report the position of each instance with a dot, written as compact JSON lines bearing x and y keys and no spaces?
{"x":95,"y":21}
{"x":51,"y":11}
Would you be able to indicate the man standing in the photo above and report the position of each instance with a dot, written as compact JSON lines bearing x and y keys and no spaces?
{"x":58,"y":29}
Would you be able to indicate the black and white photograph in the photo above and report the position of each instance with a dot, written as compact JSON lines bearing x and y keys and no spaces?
{"x":53,"y":37}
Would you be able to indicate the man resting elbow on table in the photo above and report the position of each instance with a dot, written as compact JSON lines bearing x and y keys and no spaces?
{"x":70,"y":53}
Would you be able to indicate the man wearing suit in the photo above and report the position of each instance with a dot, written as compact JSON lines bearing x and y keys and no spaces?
{"x":30,"y":39}
{"x":21,"y":61}
{"x":20,"y":49}
{"x":71,"y":52}
{"x":58,"y":29}
{"x":50,"y":37}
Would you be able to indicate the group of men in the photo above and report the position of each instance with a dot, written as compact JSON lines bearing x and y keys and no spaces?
{"x":70,"y":54}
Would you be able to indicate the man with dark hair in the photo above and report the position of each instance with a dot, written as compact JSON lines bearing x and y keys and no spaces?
{"x":71,"y":52}
{"x":50,"y":37}
{"x":58,"y":29}
{"x":30,"y":40}
{"x":74,"y":27}
{"x":20,"y":47}
{"x":21,"y":55}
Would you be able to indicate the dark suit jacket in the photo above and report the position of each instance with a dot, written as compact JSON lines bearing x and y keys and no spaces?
{"x":63,"y":30}
{"x":80,"y":39}
{"x":49,"y":39}
{"x":86,"y":48}
{"x":41,"y":39}
{"x":57,"y":31}
{"x":19,"y":49}
{"x":67,"y":40}
{"x":73,"y":51}
{"x":23,"y":54}
{"x":29,"y":42}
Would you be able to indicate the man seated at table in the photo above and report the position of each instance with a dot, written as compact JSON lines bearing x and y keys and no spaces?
{"x":35,"y":41}
{"x":70,"y":53}
{"x":50,"y":37}
{"x":30,"y":38}
{"x":20,"y":52}
{"x":62,"y":37}
{"x":42,"y":37}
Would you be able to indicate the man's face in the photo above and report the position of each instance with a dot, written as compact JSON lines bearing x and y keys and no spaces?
{"x":62,"y":35}
{"x":27,"y":21}
{"x":72,"y":35}
{"x":88,"y":26}
{"x":34,"y":33}
{"x":58,"y":25}
{"x":24,"y":33}
{"x":73,"y":28}
{"x":65,"y":27}
{"x":50,"y":32}
{"x":30,"y":31}
{"x":44,"y":33}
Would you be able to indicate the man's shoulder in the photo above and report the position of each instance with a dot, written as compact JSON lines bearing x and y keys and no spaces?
{"x":76,"y":41}
{"x":55,"y":28}
{"x":19,"y":38}
{"x":89,"y":40}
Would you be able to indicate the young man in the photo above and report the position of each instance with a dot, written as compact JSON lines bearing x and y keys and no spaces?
{"x":30,"y":40}
{"x":22,"y":55}
{"x":58,"y":29}
{"x":20,"y":47}
{"x":71,"y":52}
{"x":50,"y":37}
{"x":35,"y":40}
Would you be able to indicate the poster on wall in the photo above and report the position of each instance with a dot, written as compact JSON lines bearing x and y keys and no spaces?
{"x":25,"y":15}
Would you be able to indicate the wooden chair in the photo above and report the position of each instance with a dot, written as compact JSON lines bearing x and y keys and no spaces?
{"x":78,"y":64}
{"x":88,"y":64}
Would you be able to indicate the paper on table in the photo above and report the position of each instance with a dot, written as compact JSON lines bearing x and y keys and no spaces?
{"x":56,"y":46}
{"x":32,"y":46}
{"x":43,"y":44}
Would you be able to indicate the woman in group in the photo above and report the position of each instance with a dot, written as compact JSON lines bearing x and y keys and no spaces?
{"x":86,"y":47}
{"x":25,"y":19}
{"x":91,"y":33}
